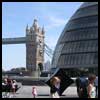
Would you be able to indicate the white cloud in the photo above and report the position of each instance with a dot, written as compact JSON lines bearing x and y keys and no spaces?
{"x":55,"y":22}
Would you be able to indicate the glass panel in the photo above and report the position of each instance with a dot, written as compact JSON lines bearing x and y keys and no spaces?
{"x":84,"y":12}
{"x":82,"y":22}
{"x":81,"y":34}
{"x":57,"y":54}
{"x":95,"y":59}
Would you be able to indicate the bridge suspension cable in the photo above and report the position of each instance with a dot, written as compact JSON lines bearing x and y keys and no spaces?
{"x":48,"y":50}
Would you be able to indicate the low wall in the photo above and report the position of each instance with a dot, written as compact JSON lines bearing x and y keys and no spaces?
{"x":39,"y":81}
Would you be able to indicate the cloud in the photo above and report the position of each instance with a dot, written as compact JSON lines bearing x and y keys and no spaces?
{"x":55,"y":22}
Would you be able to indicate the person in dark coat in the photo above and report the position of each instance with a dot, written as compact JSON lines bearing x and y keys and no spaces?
{"x":77,"y":85}
{"x":82,"y":83}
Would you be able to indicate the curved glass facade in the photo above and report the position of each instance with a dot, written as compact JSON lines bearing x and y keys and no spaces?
{"x":77,"y":46}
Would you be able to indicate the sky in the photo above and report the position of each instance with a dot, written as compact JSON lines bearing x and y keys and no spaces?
{"x":15,"y":17}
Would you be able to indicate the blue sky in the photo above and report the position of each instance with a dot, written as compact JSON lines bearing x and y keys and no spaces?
{"x":16,"y":15}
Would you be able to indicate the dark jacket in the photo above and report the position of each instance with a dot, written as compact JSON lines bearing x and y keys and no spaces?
{"x":54,"y":89}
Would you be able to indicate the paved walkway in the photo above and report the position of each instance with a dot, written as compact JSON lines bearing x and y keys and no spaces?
{"x":44,"y":92}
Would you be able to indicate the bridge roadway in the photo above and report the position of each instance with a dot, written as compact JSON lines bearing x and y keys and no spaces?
{"x":19,"y":40}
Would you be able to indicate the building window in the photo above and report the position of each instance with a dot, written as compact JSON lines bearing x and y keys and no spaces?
{"x":95,"y":58}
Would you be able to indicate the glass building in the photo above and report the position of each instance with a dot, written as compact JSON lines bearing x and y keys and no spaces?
{"x":77,"y":47}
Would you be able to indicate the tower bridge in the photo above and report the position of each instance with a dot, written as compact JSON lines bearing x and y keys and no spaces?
{"x":35,"y":47}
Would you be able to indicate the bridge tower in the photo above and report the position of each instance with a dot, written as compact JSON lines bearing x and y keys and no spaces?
{"x":34,"y":48}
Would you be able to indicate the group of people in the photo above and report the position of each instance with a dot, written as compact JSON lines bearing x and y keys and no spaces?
{"x":55,"y":88}
{"x":87,"y":87}
{"x":9,"y":87}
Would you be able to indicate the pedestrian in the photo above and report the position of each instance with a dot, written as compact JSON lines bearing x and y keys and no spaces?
{"x":9,"y":87}
{"x":77,"y":85}
{"x":91,"y":88}
{"x":82,"y":83}
{"x":34,"y":92}
{"x":4,"y":87}
{"x":55,"y":87}
{"x":96,"y":85}
{"x":13,"y":87}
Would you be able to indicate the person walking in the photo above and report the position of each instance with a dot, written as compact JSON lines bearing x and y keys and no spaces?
{"x":91,"y":87}
{"x":13,"y":87}
{"x":82,"y":83}
{"x":9,"y":87}
{"x":34,"y":92}
{"x":78,"y":87}
{"x":4,"y":87}
{"x":96,"y":85}
{"x":55,"y":87}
